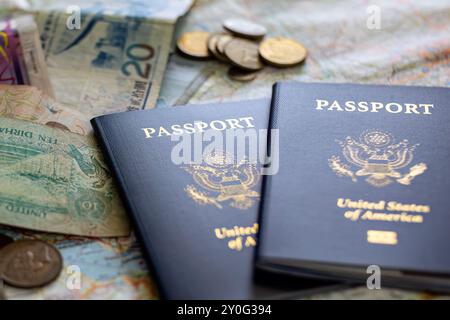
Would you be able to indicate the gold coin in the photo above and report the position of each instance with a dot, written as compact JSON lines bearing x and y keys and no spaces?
{"x":194,"y":44}
{"x":282,"y":52}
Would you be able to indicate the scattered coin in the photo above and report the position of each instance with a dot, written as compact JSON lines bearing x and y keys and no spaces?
{"x":213,"y":48}
{"x":244,"y":54}
{"x":242,"y":47}
{"x":194,"y":44}
{"x":238,"y":74}
{"x":282,"y":52}
{"x":5,"y":240}
{"x":212,"y":41}
{"x":29,"y":263}
{"x":222,"y":43}
{"x":245,"y":28}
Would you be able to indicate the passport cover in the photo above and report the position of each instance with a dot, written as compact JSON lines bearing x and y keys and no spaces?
{"x":363,"y":180}
{"x":197,"y":223}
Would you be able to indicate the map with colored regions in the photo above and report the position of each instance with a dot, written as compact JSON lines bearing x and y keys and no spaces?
{"x":411,"y":47}
{"x":110,"y":268}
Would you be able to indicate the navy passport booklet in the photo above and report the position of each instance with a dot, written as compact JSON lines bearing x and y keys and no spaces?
{"x":364,"y":179}
{"x":197,"y":221}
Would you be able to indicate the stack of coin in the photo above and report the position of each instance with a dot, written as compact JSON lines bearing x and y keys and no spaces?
{"x":27,"y":263}
{"x":242,"y":45}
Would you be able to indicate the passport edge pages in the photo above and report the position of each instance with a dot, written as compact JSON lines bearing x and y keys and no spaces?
{"x":294,"y":265}
{"x":266,"y":286}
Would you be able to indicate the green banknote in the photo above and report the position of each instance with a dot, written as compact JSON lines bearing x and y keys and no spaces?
{"x":56,"y":181}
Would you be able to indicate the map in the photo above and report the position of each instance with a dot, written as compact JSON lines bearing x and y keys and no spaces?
{"x":410,"y":47}
{"x":110,"y":268}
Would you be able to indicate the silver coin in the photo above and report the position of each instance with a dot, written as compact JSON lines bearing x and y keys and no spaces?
{"x":244,"y":54}
{"x":245,"y":28}
{"x":222,"y":42}
{"x":214,"y":48}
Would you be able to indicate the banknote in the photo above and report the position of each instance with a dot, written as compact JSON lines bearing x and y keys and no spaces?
{"x":21,"y":55}
{"x":31,"y":104}
{"x":56,"y":181}
{"x":115,"y":59}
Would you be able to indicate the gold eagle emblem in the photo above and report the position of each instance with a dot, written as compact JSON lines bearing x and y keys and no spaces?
{"x":378,"y":158}
{"x":223,"y":181}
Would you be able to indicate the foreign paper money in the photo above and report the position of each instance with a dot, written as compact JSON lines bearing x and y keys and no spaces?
{"x":21,"y":55}
{"x":115,"y":59}
{"x":30,"y":104}
{"x":56,"y":181}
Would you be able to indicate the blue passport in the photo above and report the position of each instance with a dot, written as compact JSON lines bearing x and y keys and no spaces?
{"x":196,"y":220}
{"x":363,"y":180}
